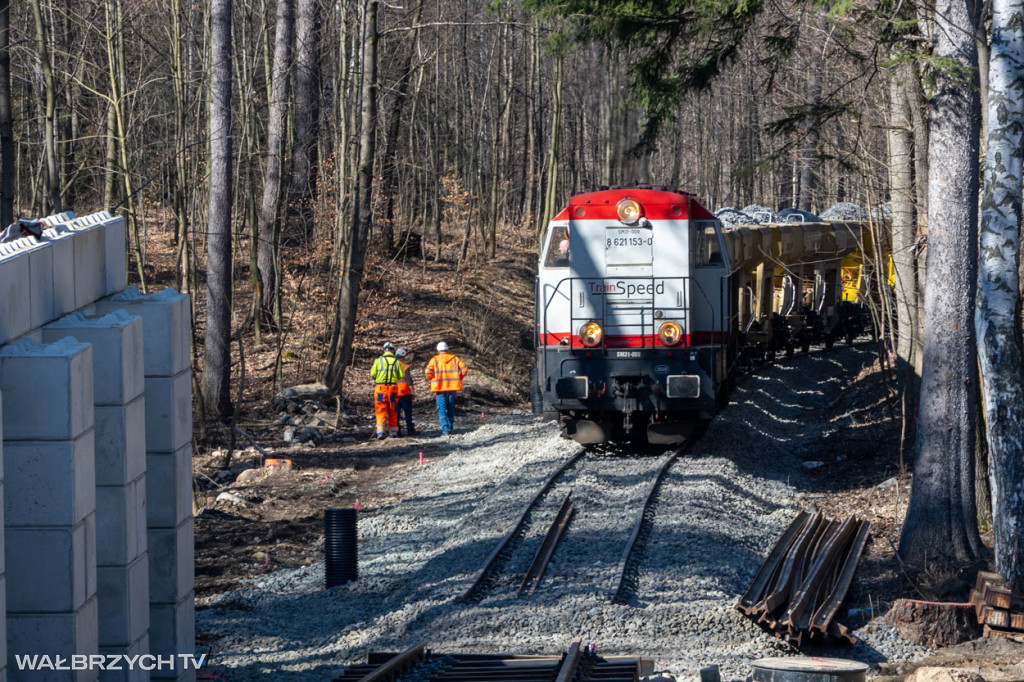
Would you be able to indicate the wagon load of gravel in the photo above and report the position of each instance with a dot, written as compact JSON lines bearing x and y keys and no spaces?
{"x":796,"y":215}
{"x":761,"y":214}
{"x":799,"y":588}
{"x":732,"y":217}
{"x":844,"y":210}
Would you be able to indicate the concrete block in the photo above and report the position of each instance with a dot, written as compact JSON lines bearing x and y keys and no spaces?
{"x":49,"y":483}
{"x":114,"y":254}
{"x":48,"y":389}
{"x":169,"y":488}
{"x":90,"y":270}
{"x":15,"y":283}
{"x":53,"y":634}
{"x":120,"y":442}
{"x":62,"y":244}
{"x":168,"y":412}
{"x":121,"y":523}
{"x":40,"y":272}
{"x":118,"y":369}
{"x":123,"y":596}
{"x":139,"y":647}
{"x":47,"y":569}
{"x":172,"y":630}
{"x":171,"y":563}
{"x":166,"y":326}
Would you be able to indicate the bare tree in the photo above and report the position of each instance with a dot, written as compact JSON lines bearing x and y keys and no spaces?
{"x":217,"y":349}
{"x":53,"y":193}
{"x":305,"y":120}
{"x":355,"y":248}
{"x":269,"y":229}
{"x":6,"y":122}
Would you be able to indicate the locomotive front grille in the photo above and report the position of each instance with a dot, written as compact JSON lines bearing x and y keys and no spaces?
{"x":682,"y":386}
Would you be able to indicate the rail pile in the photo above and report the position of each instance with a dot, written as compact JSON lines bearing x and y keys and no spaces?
{"x":802,"y":583}
{"x":1000,"y":611}
{"x":576,"y":664}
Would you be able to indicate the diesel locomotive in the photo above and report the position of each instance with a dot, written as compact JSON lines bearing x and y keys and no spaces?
{"x":646,"y":307}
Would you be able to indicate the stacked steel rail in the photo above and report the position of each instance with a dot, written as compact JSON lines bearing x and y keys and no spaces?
{"x":576,"y":664}
{"x":799,"y":588}
{"x":1000,"y":611}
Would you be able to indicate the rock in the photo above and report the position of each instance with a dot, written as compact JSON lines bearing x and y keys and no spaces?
{"x":313,"y":391}
{"x":814,"y":464}
{"x":944,"y":675}
{"x":288,"y":436}
{"x":887,"y":484}
{"x":250,"y":475}
{"x":309,"y":434}
{"x":233,"y":498}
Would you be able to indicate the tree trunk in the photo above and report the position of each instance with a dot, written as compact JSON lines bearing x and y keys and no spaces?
{"x":340,"y":353}
{"x":53,"y":194}
{"x":941,"y":526}
{"x":997,"y":320}
{"x":390,"y":162}
{"x":306,"y":116}
{"x":904,"y":251}
{"x":217,"y":348}
{"x":269,"y":224}
{"x":6,"y":119}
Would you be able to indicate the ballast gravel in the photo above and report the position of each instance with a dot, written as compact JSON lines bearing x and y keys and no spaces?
{"x":720,"y":508}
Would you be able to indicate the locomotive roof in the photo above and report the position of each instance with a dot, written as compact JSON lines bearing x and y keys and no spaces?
{"x":657,"y":204}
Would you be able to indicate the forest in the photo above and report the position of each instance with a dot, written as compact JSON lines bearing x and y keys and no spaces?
{"x":265,"y":152}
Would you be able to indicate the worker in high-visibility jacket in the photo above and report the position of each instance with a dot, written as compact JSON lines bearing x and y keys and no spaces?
{"x":445,"y":372}
{"x":405,"y":393}
{"x":386,"y":373}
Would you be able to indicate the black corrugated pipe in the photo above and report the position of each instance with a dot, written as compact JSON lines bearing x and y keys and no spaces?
{"x":341,"y":560}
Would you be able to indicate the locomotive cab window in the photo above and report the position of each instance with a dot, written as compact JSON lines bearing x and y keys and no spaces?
{"x":708,"y":246}
{"x":558,"y":248}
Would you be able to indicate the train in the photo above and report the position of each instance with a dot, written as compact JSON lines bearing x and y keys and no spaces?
{"x":648,"y":307}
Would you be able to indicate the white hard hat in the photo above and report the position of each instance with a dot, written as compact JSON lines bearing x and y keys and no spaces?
{"x":400,"y":353}
{"x":442,"y":347}
{"x":388,"y":345}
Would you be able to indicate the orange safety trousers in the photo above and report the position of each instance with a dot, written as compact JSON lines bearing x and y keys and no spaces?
{"x":385,"y":408}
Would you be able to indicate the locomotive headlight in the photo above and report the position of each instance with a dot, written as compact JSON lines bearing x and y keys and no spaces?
{"x":590,"y":334}
{"x":670,"y":333}
{"x":628,"y":210}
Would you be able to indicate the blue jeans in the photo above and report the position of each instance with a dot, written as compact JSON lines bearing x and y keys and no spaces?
{"x":446,"y":410}
{"x":405,"y":405}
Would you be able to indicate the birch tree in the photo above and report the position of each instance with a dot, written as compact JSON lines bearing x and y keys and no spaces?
{"x":941,"y":525}
{"x":997,"y":319}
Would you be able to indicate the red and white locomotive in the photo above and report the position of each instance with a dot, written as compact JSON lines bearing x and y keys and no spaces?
{"x":644,"y":303}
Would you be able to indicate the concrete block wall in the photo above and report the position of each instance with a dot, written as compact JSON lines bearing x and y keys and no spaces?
{"x":115,"y":490}
{"x":168,"y":399}
{"x":120,"y":460}
{"x":50,"y":501}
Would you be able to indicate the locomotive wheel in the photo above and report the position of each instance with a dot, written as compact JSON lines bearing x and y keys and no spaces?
{"x":790,"y":350}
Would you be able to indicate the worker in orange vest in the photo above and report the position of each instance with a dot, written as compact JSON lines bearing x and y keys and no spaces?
{"x":445,"y":372}
{"x":386,"y":373}
{"x":405,"y":393}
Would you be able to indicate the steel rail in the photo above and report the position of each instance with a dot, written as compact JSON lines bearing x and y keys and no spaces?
{"x":535,"y":573}
{"x":397,"y":664}
{"x":769,"y":568}
{"x":624,"y":563}
{"x":481,"y":574}
{"x":567,"y":671}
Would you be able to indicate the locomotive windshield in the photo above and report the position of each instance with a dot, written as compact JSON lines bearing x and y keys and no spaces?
{"x":709,"y":251}
{"x":558,"y":248}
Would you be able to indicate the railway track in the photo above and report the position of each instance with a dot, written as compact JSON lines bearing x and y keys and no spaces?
{"x":577,"y":664}
{"x":624,"y":585}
